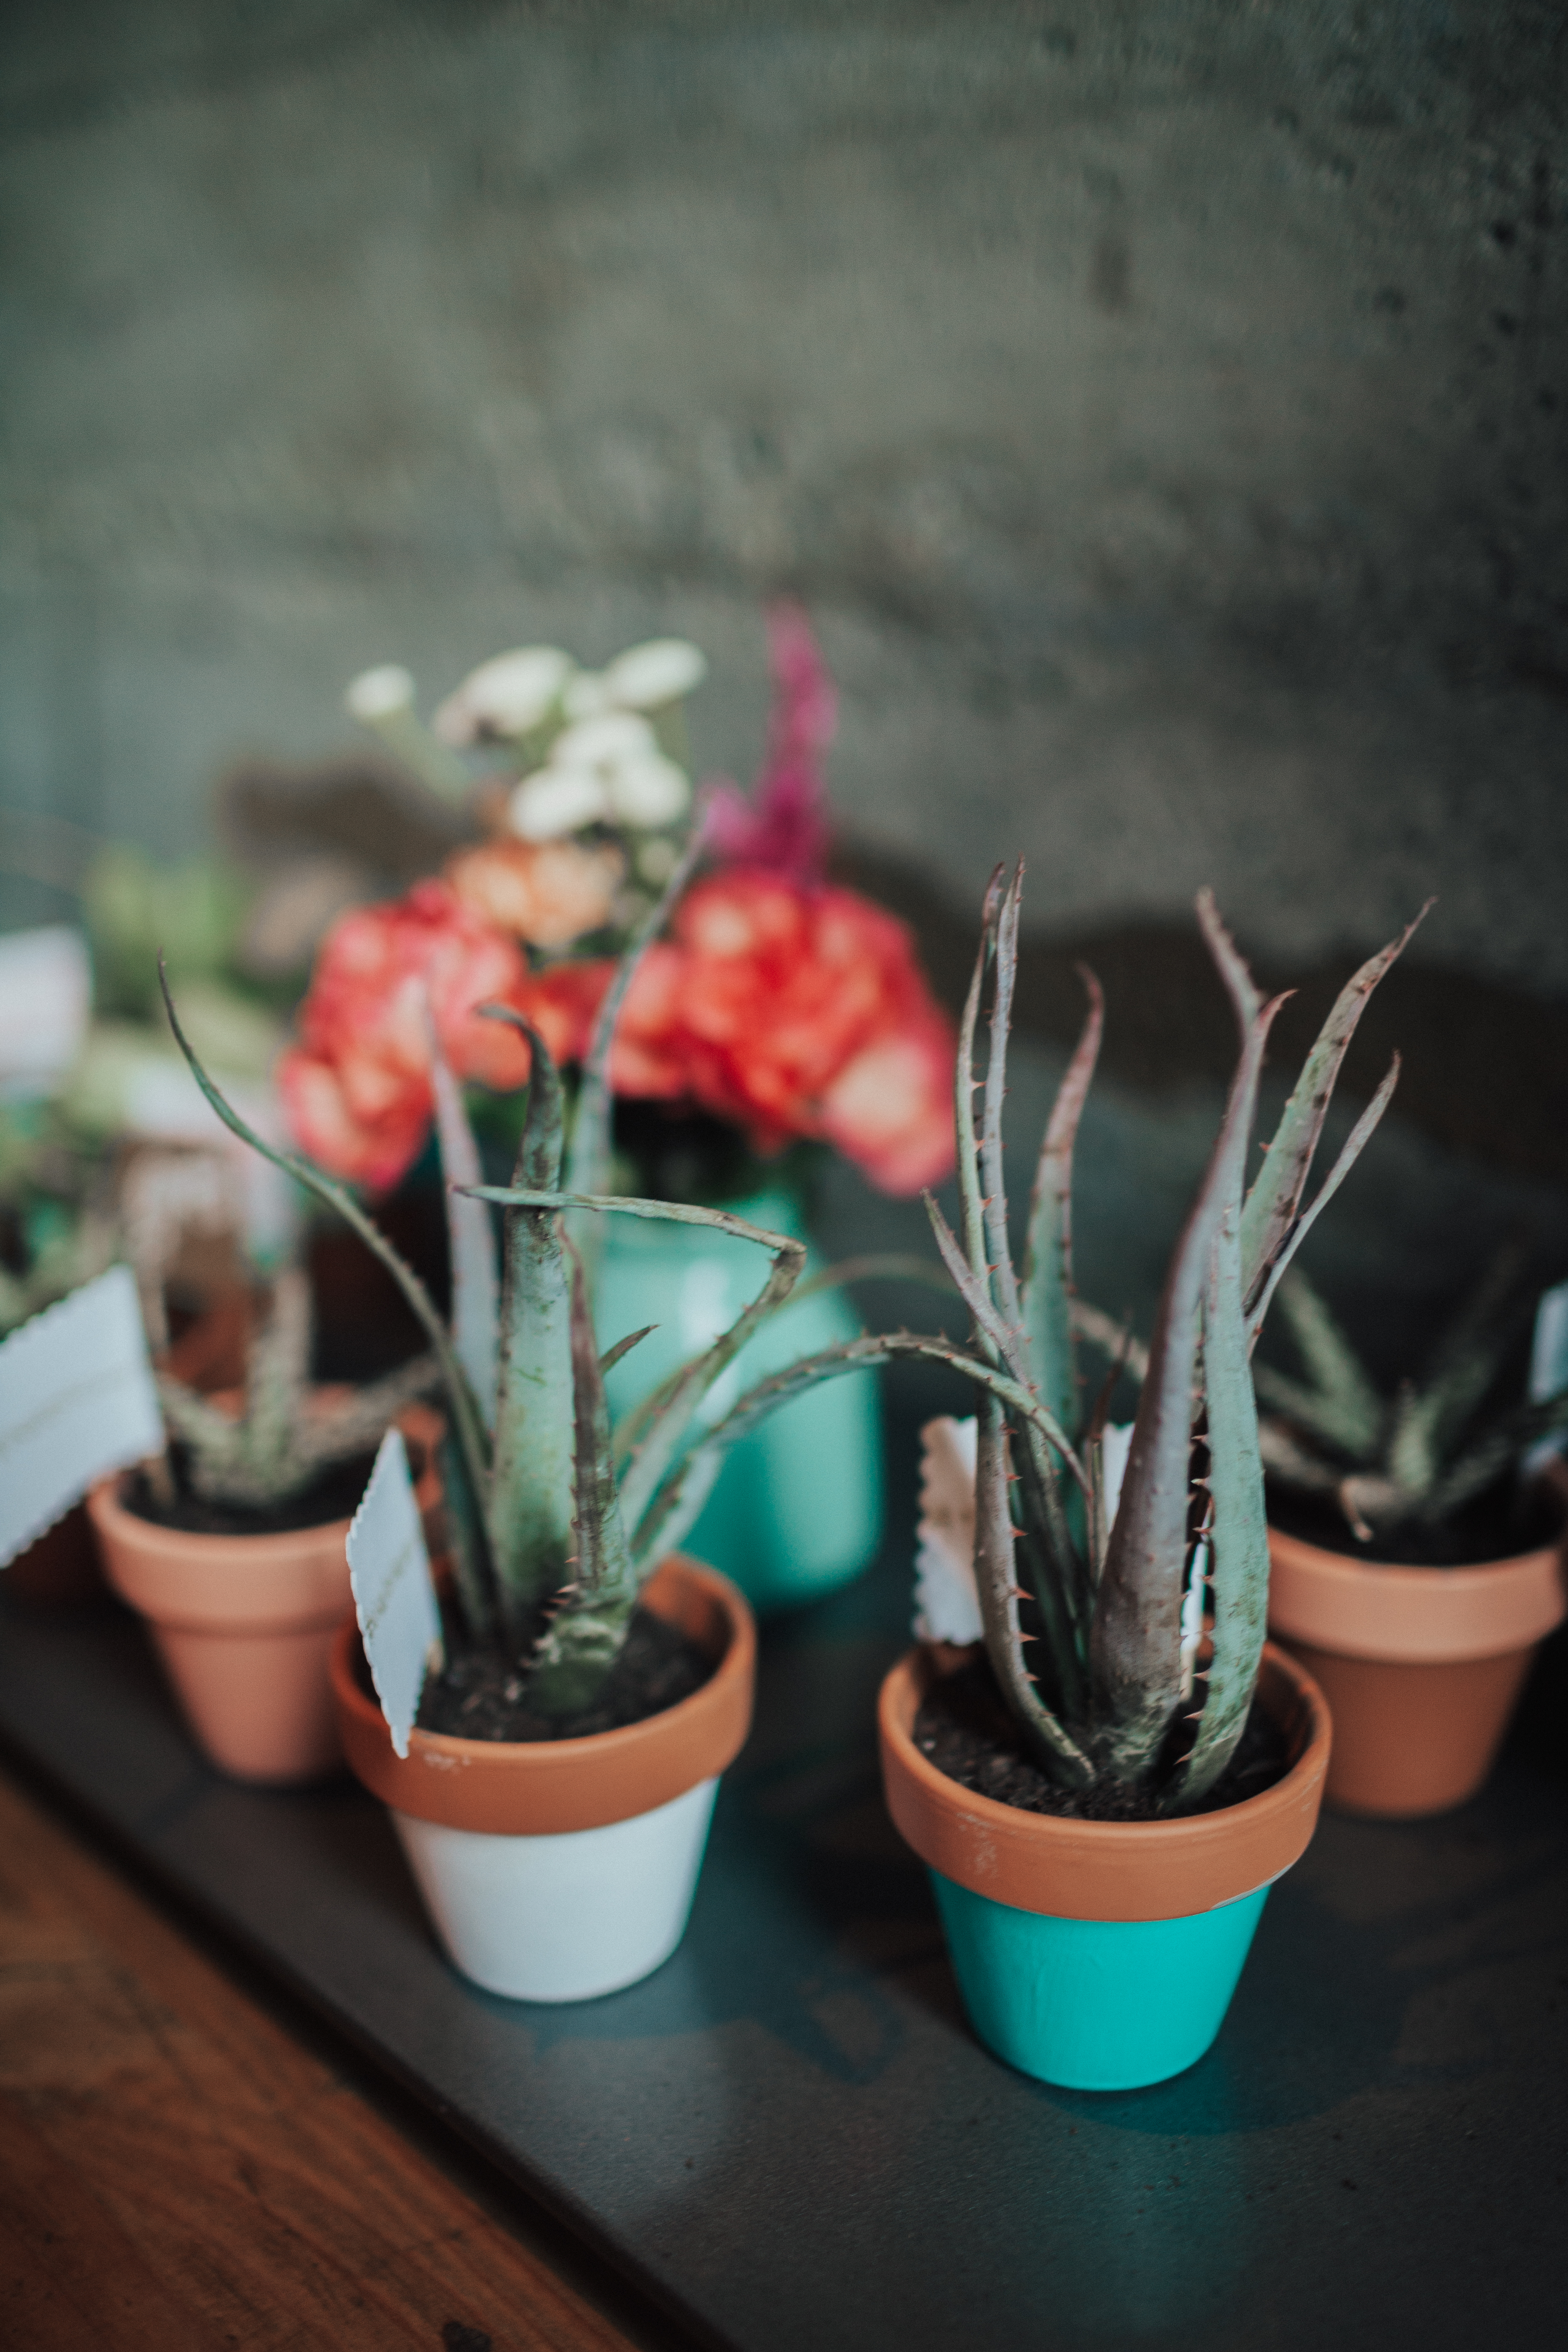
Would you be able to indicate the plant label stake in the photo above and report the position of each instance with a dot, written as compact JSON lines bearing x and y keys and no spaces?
{"x":395,"y":1596}
{"x":77,"y":1401}
{"x":1548,"y":1369}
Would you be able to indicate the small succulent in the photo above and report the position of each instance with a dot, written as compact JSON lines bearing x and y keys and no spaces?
{"x":1095,"y":1596}
{"x":284,"y":1436}
{"x":1398,"y":1466}
{"x":555,"y":1521}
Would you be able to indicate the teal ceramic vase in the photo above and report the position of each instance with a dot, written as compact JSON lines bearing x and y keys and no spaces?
{"x":1102,"y":1956}
{"x":797,"y":1508}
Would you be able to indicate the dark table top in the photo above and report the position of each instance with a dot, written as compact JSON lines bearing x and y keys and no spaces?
{"x":789,"y":2135}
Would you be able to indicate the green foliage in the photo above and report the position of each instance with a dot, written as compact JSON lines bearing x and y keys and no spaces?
{"x":136,"y":911}
{"x":1396,"y":1466}
{"x":1110,"y":1594}
{"x":56,"y":1229}
{"x":284,"y":1437}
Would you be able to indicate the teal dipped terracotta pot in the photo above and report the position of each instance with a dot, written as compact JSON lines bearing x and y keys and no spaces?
{"x":797,"y":1508}
{"x":1102,"y":1956}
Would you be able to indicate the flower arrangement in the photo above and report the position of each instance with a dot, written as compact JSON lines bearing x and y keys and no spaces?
{"x":778,"y":1004}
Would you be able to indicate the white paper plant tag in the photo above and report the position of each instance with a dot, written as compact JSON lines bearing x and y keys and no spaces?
{"x":395,"y":1596}
{"x":1548,"y":1367}
{"x":77,"y":1401}
{"x":947,"y":1604}
{"x":46,"y":997}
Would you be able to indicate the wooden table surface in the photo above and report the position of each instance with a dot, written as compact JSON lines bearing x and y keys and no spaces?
{"x":187,"y":2161}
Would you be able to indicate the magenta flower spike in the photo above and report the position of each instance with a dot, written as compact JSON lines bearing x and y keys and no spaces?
{"x":783,"y":827}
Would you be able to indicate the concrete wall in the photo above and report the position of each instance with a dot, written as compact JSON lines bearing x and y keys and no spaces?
{"x":1159,"y":405}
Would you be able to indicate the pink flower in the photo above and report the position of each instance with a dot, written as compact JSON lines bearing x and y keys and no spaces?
{"x":784,"y":828}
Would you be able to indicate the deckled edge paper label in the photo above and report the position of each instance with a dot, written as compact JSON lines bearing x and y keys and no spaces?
{"x":395,"y":1596}
{"x":77,"y":1401}
{"x":1548,"y":1369}
{"x":947,"y":1604}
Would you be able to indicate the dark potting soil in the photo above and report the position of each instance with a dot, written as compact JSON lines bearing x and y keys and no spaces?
{"x":966,"y":1730}
{"x":1499,"y":1524}
{"x":336,"y":1495}
{"x":482,"y":1695}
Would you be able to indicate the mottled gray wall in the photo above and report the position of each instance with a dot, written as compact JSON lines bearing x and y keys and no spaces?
{"x":1159,"y":404}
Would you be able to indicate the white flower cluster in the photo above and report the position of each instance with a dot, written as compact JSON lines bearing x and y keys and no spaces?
{"x":606,"y":764}
{"x":603,"y":764}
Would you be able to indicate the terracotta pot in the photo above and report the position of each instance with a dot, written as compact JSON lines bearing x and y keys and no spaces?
{"x":244,"y":1624}
{"x":559,"y":1869}
{"x":1421,"y":1666}
{"x":1100,"y":1955}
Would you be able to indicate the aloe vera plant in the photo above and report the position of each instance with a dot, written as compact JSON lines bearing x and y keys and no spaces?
{"x":284,"y":1436}
{"x":1397,"y":1467}
{"x":556,"y":1522}
{"x":1094,"y":1602}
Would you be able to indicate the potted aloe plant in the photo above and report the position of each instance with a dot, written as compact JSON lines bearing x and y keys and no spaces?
{"x":781,"y":1017}
{"x":1107,"y":1786}
{"x":231,"y":1545}
{"x":554,"y":1798}
{"x":1416,"y":1540}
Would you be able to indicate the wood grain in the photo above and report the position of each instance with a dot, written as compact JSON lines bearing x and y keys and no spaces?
{"x":181,"y":2169}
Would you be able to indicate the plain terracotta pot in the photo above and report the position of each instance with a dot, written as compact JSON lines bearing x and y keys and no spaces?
{"x":524,"y":1788}
{"x":1101,"y":1955}
{"x":61,"y":1568}
{"x":564,"y":1870}
{"x":1106,"y":1870}
{"x":245,"y":1624}
{"x":1421,"y":1666}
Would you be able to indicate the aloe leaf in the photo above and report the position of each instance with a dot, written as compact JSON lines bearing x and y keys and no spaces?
{"x":1238,"y":1539}
{"x":651,"y":1539}
{"x":612,"y":1356}
{"x":588,"y":1159}
{"x":1002,"y":1340}
{"x":1007,"y":1344}
{"x":528,"y":1512}
{"x":997,"y":1582}
{"x":1487,"y":1460}
{"x":1287,"y":1460}
{"x":1341,"y":1406}
{"x":999,"y":1253}
{"x":1046,"y":1513}
{"x":470,"y":1457}
{"x":1310,"y":1412}
{"x":972,"y":1213}
{"x":476,"y":1275}
{"x":1048,"y":1296}
{"x":212,"y":1436}
{"x":1354,"y":1144}
{"x":1276,"y":1196}
{"x":1466,"y":1364}
{"x":1135,"y":1645}
{"x":583,"y":1638}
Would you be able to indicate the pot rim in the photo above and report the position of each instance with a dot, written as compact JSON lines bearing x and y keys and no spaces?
{"x":112,"y":1518}
{"x":540,"y":1788}
{"x":1414,"y":1616}
{"x":1106,"y":1871}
